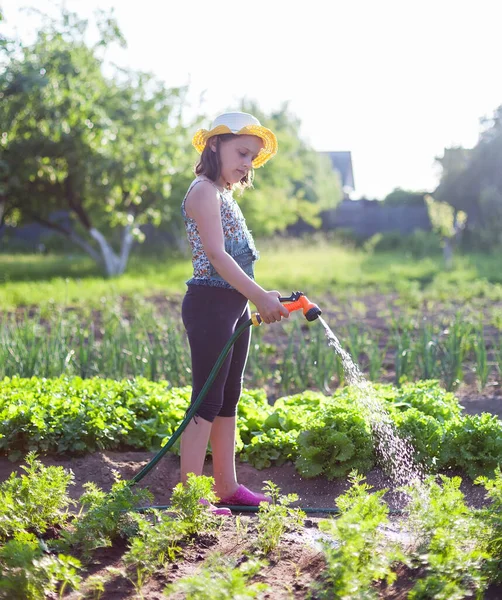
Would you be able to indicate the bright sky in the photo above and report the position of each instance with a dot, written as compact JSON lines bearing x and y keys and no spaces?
{"x":393,"y":81}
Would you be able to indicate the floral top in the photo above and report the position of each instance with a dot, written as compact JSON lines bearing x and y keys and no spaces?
{"x":239,"y":242}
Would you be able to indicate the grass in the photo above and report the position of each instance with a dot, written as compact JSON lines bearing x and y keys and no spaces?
{"x":314,"y":267}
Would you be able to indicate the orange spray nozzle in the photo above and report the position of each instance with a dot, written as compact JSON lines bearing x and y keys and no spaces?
{"x":298,"y":301}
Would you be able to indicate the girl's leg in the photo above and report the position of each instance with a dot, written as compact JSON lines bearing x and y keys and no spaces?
{"x":224,"y":426}
{"x":209,"y":316}
{"x":223,"y":452}
{"x":193,"y":447}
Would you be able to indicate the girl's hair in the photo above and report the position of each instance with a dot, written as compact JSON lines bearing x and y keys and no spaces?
{"x":209,"y":163}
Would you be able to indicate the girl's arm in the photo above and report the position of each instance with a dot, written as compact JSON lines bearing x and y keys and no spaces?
{"x":203,"y":205}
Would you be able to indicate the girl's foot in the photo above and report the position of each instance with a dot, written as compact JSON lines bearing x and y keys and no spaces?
{"x":245,"y":497}
{"x":215,"y":509}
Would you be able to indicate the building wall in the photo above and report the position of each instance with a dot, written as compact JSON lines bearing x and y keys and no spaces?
{"x":368,"y":217}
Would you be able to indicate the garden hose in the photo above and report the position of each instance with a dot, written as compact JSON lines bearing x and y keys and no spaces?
{"x":297,"y":301}
{"x":254,"y":509}
{"x":193,"y":409}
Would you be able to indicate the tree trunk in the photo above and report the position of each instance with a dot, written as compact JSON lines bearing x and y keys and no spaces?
{"x":115,"y":264}
{"x":448,"y":252}
{"x":76,"y":239}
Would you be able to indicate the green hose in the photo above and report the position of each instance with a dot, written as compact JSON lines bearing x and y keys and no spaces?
{"x":190,"y":413}
{"x":193,"y":409}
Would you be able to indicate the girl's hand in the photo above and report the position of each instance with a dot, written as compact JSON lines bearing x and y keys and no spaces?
{"x":270,"y":308}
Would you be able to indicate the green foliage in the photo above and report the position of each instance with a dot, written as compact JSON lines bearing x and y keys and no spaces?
{"x":29,"y":574}
{"x":116,"y":346}
{"x":154,"y":545}
{"x":425,"y":434}
{"x":491,"y":516}
{"x":356,"y":558}
{"x":185,"y":501}
{"x":426,"y":396}
{"x":272,"y":447}
{"x":445,"y":220}
{"x":76,"y":415}
{"x":322,"y":435}
{"x":104,"y":516}
{"x":451,"y":542}
{"x":42,"y":494}
{"x":252,"y":410}
{"x":482,"y":367}
{"x":104,"y":149}
{"x":276,"y":517}
{"x":475,"y":443}
{"x":471,"y":182}
{"x":221,"y":579}
{"x":399,"y":197}
{"x":337,"y":442}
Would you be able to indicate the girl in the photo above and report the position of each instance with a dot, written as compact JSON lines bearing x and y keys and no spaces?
{"x":216,"y":302}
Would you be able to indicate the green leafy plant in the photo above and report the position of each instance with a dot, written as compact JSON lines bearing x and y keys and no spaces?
{"x":427,"y":352}
{"x":356,"y":557}
{"x":41,"y":492}
{"x":454,"y":345}
{"x":272,"y":447}
{"x":185,"y":502}
{"x":425,"y":434}
{"x":492,"y":517}
{"x":221,"y":579}
{"x":276,"y":517}
{"x":27,"y":573}
{"x":404,"y":354}
{"x":104,"y":515}
{"x":376,"y":357}
{"x":426,"y":396}
{"x":451,"y":541}
{"x":336,"y":443}
{"x":154,"y":545}
{"x":475,"y":444}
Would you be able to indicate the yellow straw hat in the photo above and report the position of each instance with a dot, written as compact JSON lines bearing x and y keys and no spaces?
{"x":239,"y":123}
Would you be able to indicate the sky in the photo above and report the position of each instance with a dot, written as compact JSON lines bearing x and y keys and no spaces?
{"x":394,"y":82}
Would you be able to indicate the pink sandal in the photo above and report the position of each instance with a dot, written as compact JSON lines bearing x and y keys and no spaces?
{"x":245,"y":497}
{"x":215,"y":509}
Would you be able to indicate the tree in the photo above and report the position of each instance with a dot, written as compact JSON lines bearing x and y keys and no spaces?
{"x":448,"y":223}
{"x":400,"y":197}
{"x":471,"y":181}
{"x":104,"y":150}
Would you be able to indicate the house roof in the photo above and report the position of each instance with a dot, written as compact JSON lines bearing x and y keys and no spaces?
{"x":342,"y":162}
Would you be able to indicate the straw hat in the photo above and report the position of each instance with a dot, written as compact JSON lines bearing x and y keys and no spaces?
{"x":239,"y":123}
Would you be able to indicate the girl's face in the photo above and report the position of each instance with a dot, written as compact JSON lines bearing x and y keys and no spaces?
{"x":236,"y":157}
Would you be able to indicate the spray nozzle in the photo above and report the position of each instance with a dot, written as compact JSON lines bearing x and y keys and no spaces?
{"x":297,"y":301}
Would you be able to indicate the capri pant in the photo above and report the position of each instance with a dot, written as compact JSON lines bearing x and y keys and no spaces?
{"x":211,"y":316}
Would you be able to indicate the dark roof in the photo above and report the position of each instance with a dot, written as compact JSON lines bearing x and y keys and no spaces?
{"x":342,"y":162}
